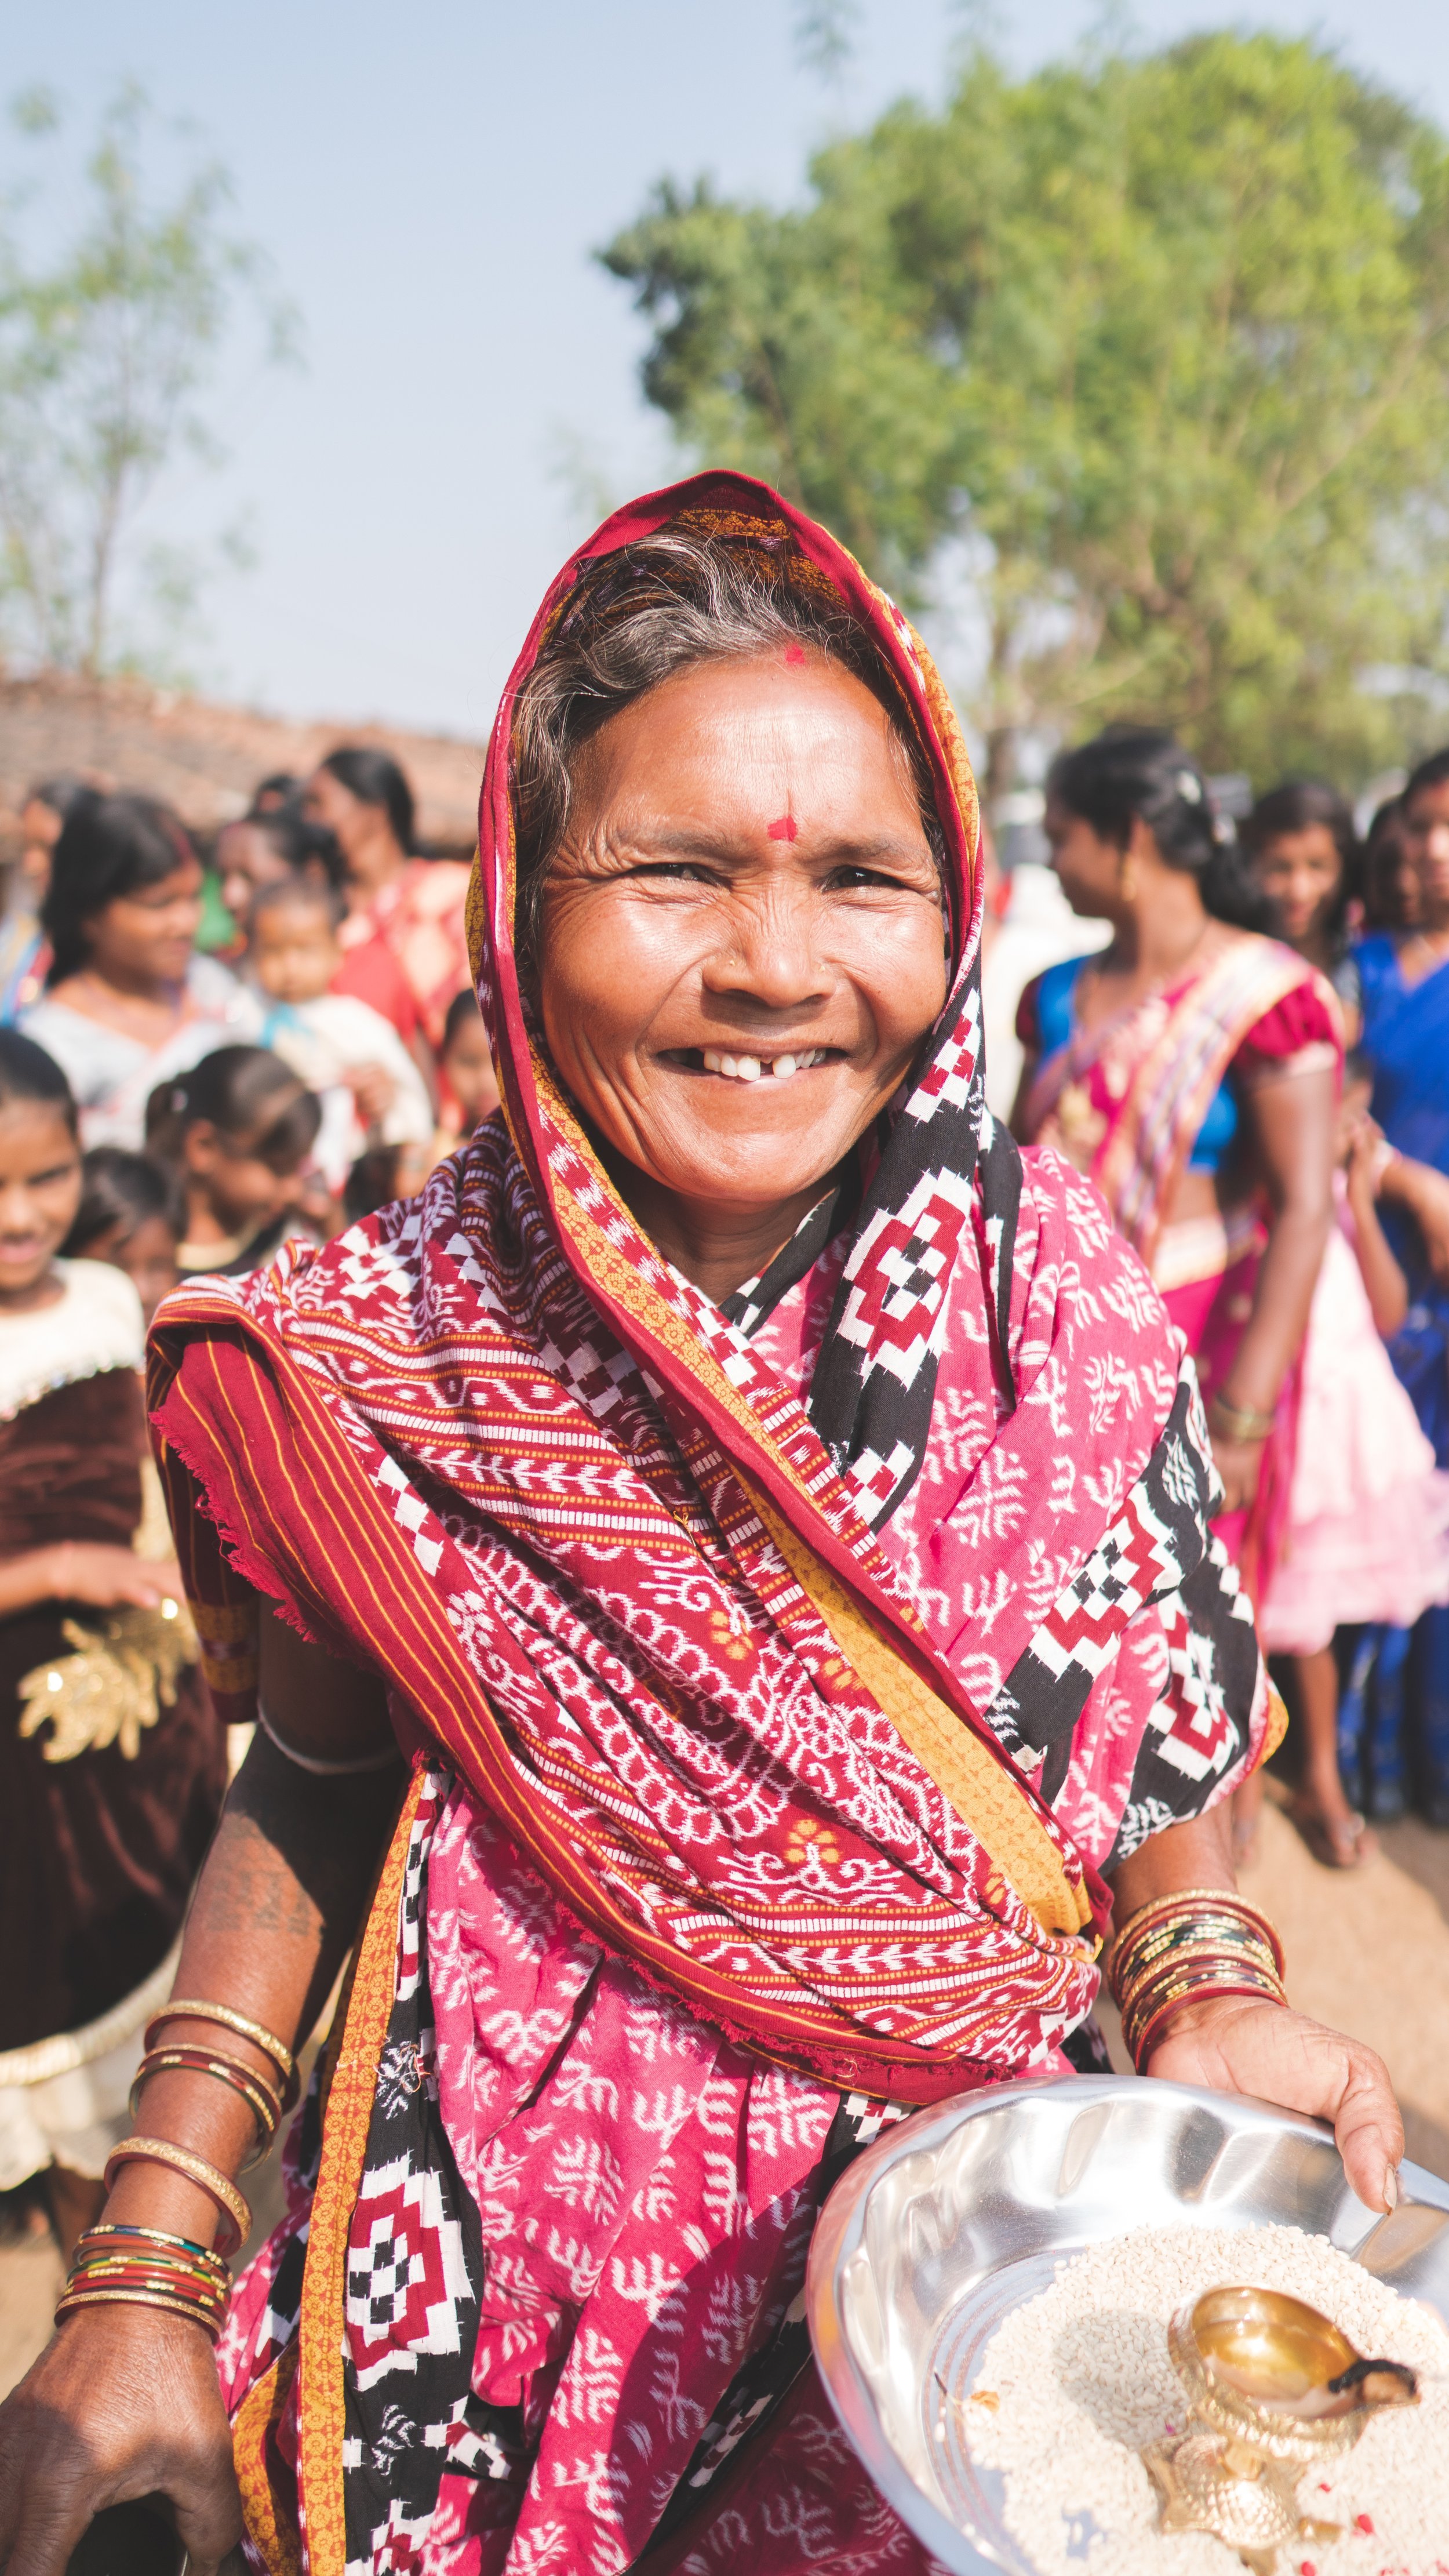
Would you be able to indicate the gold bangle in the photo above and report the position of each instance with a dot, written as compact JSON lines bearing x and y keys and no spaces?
{"x":1212,"y":1967}
{"x":1240,"y":1421}
{"x":1207,"y":1963}
{"x":263,"y":2102}
{"x":139,"y":2299}
{"x":195,"y":2169}
{"x":1179,"y":1898}
{"x":1193,"y":1903}
{"x":1204,"y":1932}
{"x":1182,"y":1976}
{"x":1203,"y":1990}
{"x":1193,"y":1962}
{"x":1145,"y":1996}
{"x":266,"y":2040}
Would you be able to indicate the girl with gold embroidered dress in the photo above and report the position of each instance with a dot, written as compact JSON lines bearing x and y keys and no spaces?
{"x":112,"y":1764}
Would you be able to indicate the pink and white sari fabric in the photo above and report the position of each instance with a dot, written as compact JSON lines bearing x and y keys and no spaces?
{"x":680,"y":1911}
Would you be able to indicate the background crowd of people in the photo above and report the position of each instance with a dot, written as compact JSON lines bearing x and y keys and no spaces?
{"x":166,"y":1110}
{"x":1254,"y":1068}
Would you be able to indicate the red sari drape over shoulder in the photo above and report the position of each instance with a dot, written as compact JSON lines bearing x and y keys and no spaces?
{"x":778,"y":1680}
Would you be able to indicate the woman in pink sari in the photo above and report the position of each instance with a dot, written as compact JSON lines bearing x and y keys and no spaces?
{"x":1191,"y":1069}
{"x":722,"y":1583}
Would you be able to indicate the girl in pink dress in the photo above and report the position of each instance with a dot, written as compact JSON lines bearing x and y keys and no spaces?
{"x":1368,"y":1511}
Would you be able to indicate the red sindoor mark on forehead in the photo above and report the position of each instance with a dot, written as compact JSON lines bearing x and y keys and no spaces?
{"x":786,"y":829}
{"x":795,"y":653}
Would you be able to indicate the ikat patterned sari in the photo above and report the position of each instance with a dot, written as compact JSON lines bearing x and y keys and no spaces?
{"x":778,"y":1679}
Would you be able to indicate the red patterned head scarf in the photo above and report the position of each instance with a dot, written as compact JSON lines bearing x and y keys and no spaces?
{"x":643,"y":1595}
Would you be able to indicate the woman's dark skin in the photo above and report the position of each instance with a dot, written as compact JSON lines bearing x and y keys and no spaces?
{"x":1417,"y":1187}
{"x":1159,"y":928}
{"x":740,"y":941}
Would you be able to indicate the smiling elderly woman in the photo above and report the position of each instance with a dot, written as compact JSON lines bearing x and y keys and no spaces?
{"x":770,"y":1520}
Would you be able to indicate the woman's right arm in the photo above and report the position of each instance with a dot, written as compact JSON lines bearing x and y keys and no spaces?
{"x":1424,"y":1194}
{"x":124,"y":2402}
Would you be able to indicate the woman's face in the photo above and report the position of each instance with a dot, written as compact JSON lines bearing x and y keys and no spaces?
{"x":40,"y":825}
{"x":243,"y":1187}
{"x":40,"y":1191}
{"x":742,"y":943}
{"x":246,"y":860}
{"x":1088,"y":868}
{"x":146,"y":938}
{"x":147,"y":1254}
{"x":1301,"y":873}
{"x":1426,"y":833}
{"x":325,"y":800}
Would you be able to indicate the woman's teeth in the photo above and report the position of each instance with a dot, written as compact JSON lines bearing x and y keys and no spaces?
{"x":755,"y":1068}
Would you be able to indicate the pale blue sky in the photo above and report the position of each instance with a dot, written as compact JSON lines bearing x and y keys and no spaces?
{"x":429,"y":183}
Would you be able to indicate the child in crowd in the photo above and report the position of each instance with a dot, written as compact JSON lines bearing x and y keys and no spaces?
{"x":238,"y":1130}
{"x":112,"y":1766}
{"x":1368,"y":1535}
{"x":371,"y":1092}
{"x":129,"y":1215}
{"x":470,"y":1088}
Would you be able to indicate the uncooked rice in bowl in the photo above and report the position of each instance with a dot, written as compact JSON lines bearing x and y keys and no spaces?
{"x":1082,"y":2379}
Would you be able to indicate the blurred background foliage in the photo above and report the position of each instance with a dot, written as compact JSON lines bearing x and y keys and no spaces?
{"x":1146,"y":356}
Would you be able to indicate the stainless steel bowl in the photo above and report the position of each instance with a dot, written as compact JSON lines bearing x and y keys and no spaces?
{"x":957,"y":2215}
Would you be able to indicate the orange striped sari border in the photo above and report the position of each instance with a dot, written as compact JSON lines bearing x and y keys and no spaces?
{"x":270,"y":2518}
{"x":322,"y":2408}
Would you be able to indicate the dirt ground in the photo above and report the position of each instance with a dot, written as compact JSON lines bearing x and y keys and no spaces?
{"x":1367,"y":1951}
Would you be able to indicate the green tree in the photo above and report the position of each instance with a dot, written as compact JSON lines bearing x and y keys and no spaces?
{"x":106,"y":347}
{"x":1160,"y":341}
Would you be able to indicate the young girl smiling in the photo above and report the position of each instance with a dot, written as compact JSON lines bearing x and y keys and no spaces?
{"x":112,"y":1766}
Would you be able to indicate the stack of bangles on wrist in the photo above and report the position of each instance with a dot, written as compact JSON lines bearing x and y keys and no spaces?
{"x":1186,"y":1948}
{"x":146,"y":2267}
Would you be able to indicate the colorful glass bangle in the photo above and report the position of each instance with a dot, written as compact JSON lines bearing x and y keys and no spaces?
{"x":1181,"y":1981}
{"x":1250,"y":1954}
{"x":1147,"y":2037}
{"x":176,"y":2307}
{"x":195,"y":2169}
{"x":264,"y":2104}
{"x":1196,"y":1900}
{"x":153,"y":2235}
{"x":180,"y":2009}
{"x":118,"y":2248}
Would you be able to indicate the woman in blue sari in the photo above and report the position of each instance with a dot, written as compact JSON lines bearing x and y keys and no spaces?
{"x":1402,"y":1681}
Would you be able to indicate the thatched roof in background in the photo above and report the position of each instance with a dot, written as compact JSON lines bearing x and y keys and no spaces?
{"x":206,"y":760}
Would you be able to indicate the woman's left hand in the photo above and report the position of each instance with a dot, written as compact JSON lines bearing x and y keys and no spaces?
{"x":1239,"y":1463}
{"x":1234,"y":2044}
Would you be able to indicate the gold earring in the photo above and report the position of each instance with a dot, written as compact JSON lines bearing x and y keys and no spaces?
{"x":1127,"y":878}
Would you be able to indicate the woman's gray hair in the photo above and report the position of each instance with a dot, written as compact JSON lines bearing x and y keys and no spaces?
{"x":636,"y":618}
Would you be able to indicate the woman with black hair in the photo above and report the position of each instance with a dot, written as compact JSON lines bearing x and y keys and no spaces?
{"x":1404,"y":973}
{"x":1305,"y":849}
{"x":112,"y":1763}
{"x":415,"y":905}
{"x":128,"y":1001}
{"x":1191,"y":1068}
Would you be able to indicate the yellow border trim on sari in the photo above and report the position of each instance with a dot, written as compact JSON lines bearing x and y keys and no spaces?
{"x":322,"y":2412}
{"x":968,"y":1775}
{"x":274,"y":2538}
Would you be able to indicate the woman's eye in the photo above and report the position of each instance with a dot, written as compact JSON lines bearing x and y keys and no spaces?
{"x":690,"y":871}
{"x":848,"y":880}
